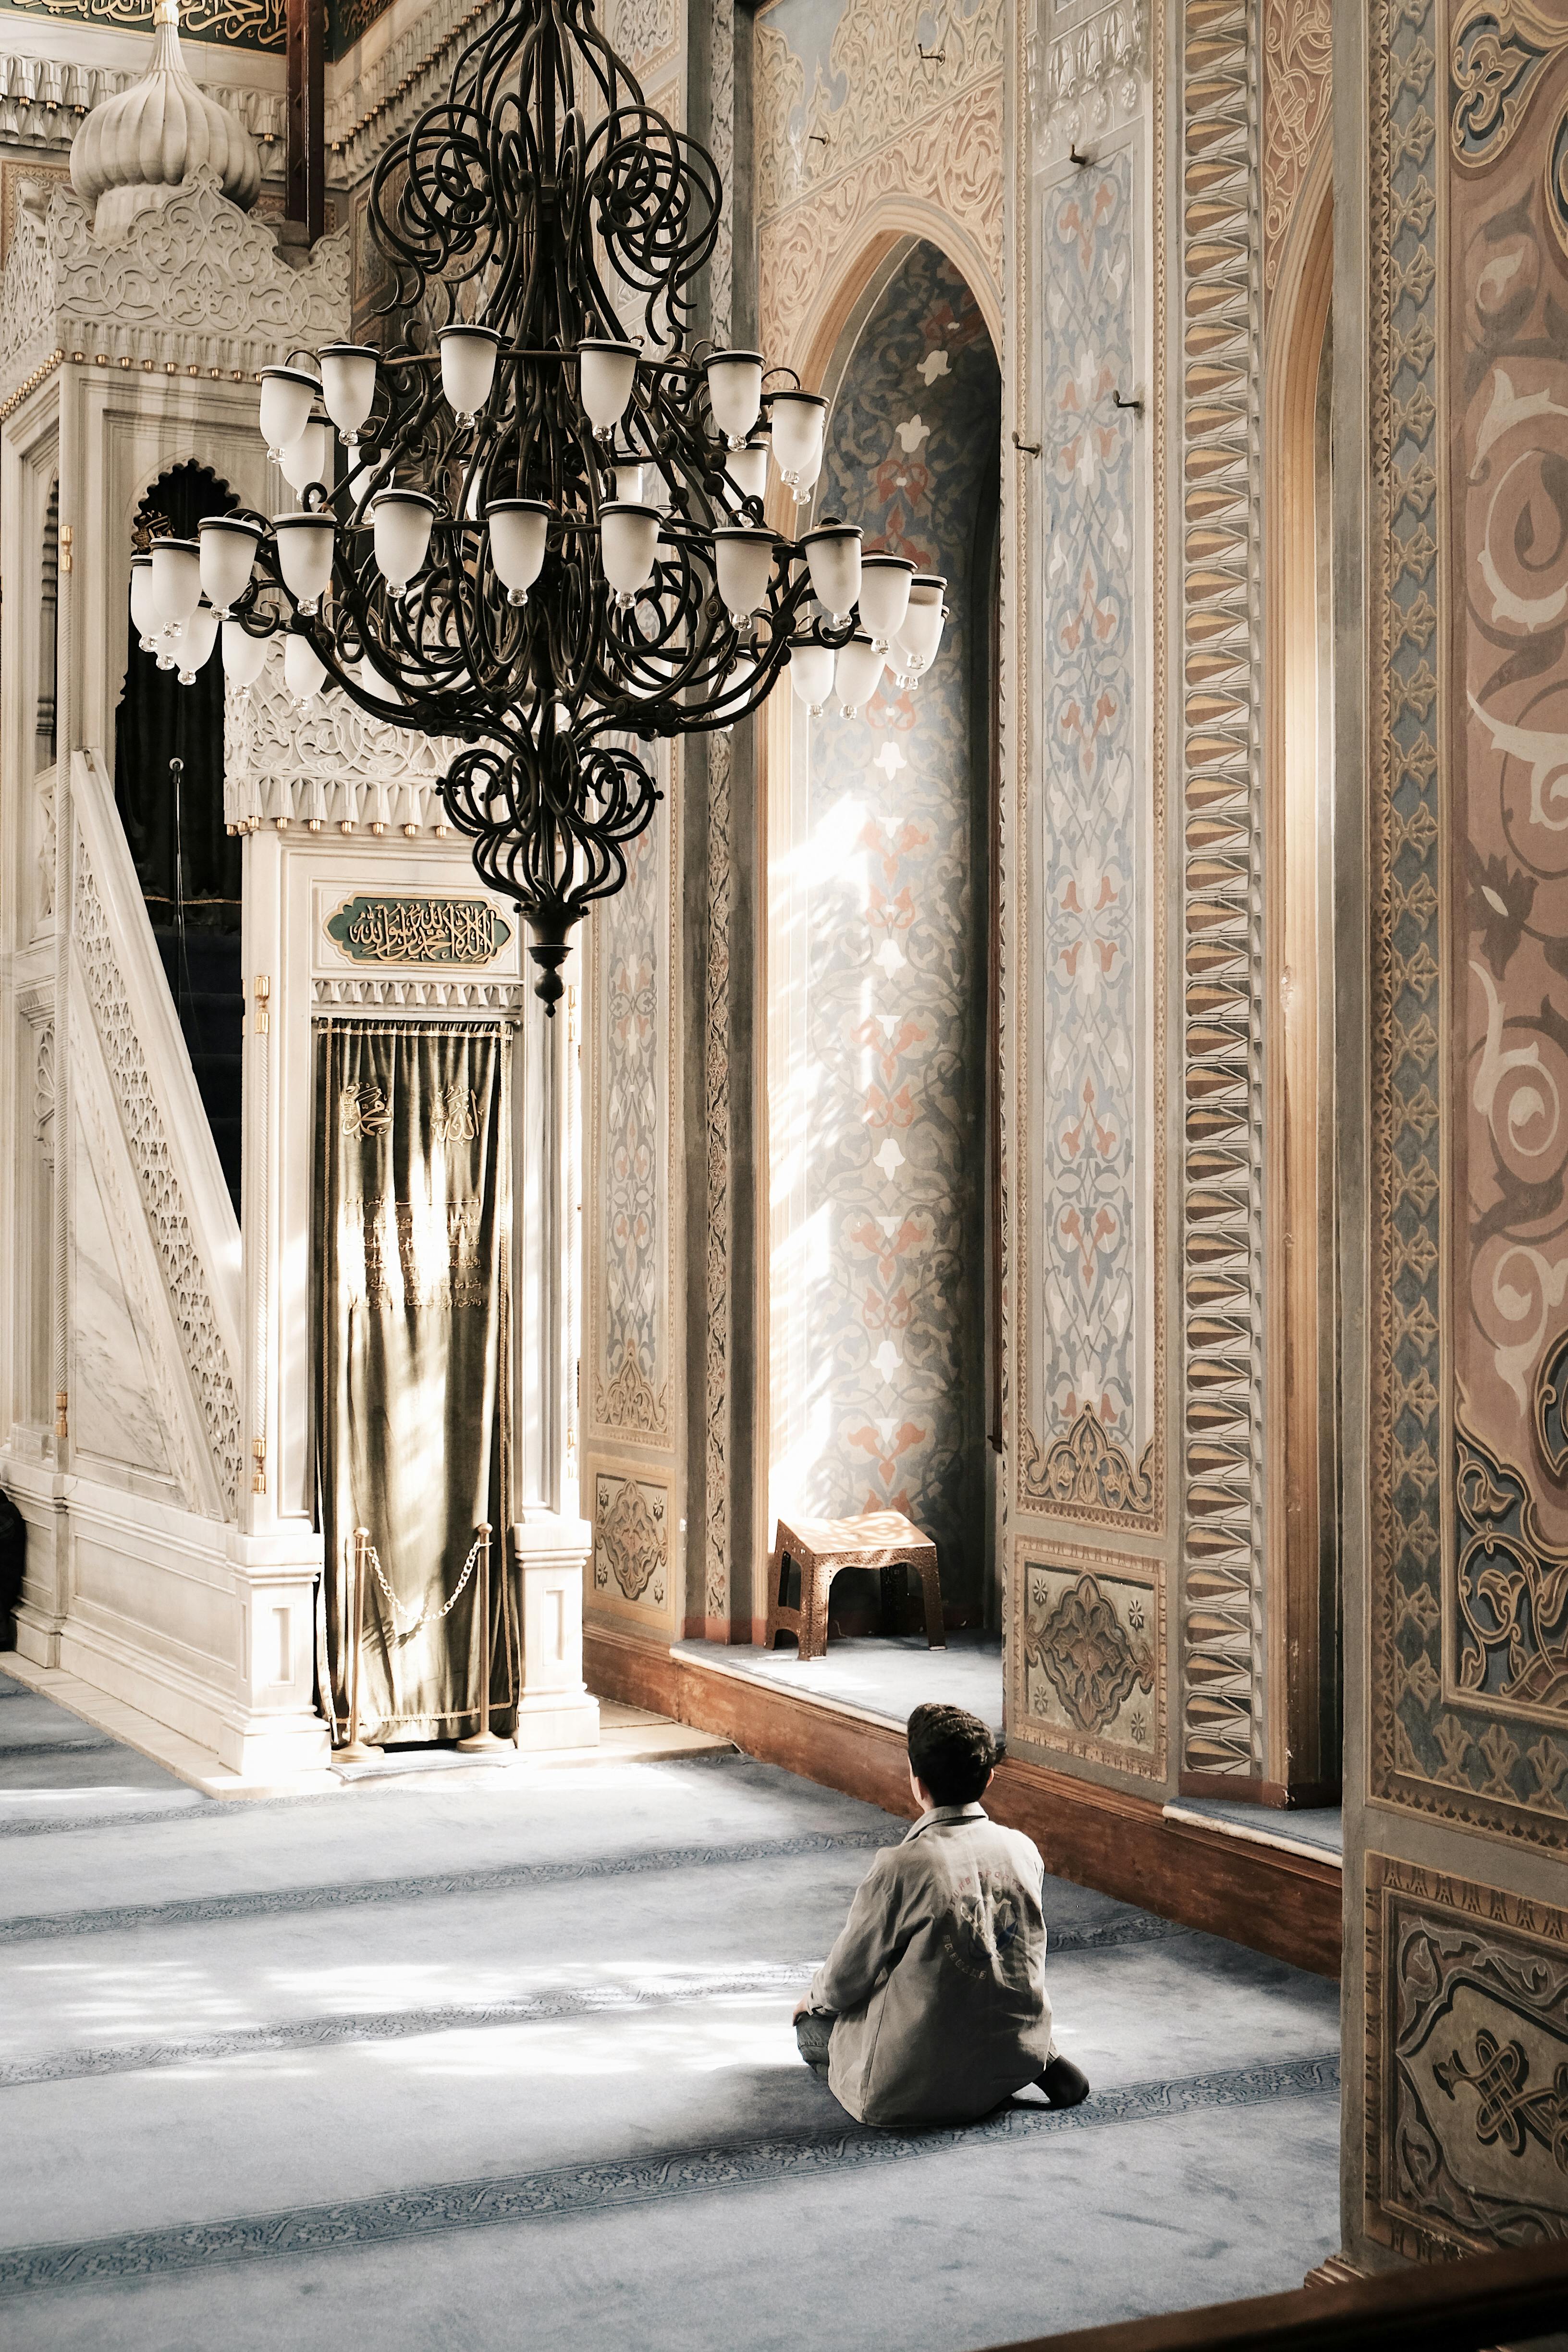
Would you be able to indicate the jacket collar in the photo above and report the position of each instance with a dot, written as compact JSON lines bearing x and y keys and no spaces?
{"x":940,"y":1816}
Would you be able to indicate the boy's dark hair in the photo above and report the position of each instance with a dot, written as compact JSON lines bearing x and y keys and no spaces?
{"x":953,"y":1752}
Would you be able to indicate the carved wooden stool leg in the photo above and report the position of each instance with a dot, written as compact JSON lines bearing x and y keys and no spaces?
{"x":930,"y":1584}
{"x":778,"y":1568}
{"x":815,"y":1582}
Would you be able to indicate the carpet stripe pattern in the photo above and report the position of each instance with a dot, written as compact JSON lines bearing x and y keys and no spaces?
{"x":581,"y":2187}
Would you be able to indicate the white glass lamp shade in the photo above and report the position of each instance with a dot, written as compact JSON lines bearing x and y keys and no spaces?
{"x":744,"y":562}
{"x":857,"y":672}
{"x":199,"y":636}
{"x":811,"y":672}
{"x":628,"y":542}
{"x":288,"y":396}
{"x":605,"y":375}
{"x":735,"y":392}
{"x":919,"y":633}
{"x":738,"y":689}
{"x":242,"y":655}
{"x":884,"y":596}
{"x":370,"y":678}
{"x":145,"y":617}
{"x":228,"y":545}
{"x":308,"y":457}
{"x":401,"y":521}
{"x":302,"y":673}
{"x":799,"y":421}
{"x":176,"y":580}
{"x":467,"y":366}
{"x":629,"y":474}
{"x":833,"y":552}
{"x":305,"y":556}
{"x":347,"y":386}
{"x":748,"y":468}
{"x":518,"y":529}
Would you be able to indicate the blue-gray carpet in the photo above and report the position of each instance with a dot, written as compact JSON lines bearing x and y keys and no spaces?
{"x":480,"y":2064}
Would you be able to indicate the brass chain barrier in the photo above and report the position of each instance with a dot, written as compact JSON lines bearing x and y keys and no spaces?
{"x":406,"y":1633}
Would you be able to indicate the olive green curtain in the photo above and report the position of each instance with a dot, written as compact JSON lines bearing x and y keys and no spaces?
{"x":411,"y":1214}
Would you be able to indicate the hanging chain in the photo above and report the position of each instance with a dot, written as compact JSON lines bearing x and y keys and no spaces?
{"x":406,"y":1633}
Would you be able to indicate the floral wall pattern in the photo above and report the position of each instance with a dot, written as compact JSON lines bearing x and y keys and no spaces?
{"x":895,"y":956}
{"x":1465,"y":765}
{"x":628,"y":1380}
{"x":1086,"y":1407}
{"x":1471,"y":1520}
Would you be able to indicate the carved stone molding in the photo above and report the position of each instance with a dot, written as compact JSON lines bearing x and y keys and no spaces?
{"x":43,"y":100}
{"x":631,"y":1539}
{"x":1467,"y":2063}
{"x":1086,"y":65}
{"x":1221,"y":627}
{"x":875,"y":90}
{"x":1088,"y":1654}
{"x":193,"y":282}
{"x":44,"y":1083}
{"x":326,"y":763}
{"x":1297,"y":84}
{"x":1086,"y":1473}
{"x":951,"y":160}
{"x":421,"y":995}
{"x":163,"y":1200}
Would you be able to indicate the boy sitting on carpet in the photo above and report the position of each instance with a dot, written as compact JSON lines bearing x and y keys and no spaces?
{"x":932,"y":2006}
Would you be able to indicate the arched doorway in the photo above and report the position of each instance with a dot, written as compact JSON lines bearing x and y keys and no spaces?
{"x":168,"y":787}
{"x":880,"y":859}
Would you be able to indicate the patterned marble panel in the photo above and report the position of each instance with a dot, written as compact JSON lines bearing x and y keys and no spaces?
{"x":631,"y":1542}
{"x":630,"y":944}
{"x":895,"y":971}
{"x":1468,"y":602}
{"x":1467,"y":2063}
{"x":115,"y":1371}
{"x":1087,"y":1438}
{"x":1088,"y":1654}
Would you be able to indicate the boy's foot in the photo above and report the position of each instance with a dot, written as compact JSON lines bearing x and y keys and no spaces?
{"x":1064,"y":2085}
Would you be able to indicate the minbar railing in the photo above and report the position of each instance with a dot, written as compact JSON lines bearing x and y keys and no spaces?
{"x":1487,"y":2300}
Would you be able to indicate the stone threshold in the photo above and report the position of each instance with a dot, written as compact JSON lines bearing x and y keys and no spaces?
{"x":1278,"y":1837}
{"x":627,"y":1734}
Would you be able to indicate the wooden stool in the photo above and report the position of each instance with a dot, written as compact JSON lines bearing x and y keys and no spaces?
{"x":820,"y":1547}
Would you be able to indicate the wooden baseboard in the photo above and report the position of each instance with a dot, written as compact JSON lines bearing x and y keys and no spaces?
{"x":1283,"y":1902}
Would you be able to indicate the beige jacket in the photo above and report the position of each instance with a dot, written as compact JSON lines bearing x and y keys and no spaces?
{"x":938,"y":1980}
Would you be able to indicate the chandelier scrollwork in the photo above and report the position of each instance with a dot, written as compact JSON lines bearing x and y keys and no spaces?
{"x":535,"y":523}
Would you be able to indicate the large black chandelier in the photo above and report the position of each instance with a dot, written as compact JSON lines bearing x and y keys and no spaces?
{"x":535,"y":523}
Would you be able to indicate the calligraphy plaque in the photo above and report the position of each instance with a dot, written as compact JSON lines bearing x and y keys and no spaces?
{"x":419,"y":931}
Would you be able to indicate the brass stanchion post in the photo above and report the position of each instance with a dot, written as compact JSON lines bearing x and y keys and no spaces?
{"x":484,"y":1738}
{"x":357,"y":1750}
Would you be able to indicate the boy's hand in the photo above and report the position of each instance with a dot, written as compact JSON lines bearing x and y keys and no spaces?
{"x":798,"y":2012}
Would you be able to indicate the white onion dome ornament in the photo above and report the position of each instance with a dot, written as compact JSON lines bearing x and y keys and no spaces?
{"x":137,"y":148}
